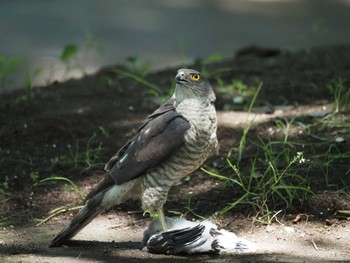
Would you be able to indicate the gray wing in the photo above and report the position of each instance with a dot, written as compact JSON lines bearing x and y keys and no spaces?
{"x":175,"y":241}
{"x":161,"y":134}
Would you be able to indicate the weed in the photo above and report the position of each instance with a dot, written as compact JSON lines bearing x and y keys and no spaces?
{"x":69,"y":58}
{"x":208,"y":61}
{"x":34,"y":176}
{"x":62,"y":209}
{"x":137,"y":66}
{"x":7,"y":66}
{"x":57,"y":211}
{"x":153,"y":89}
{"x":247,"y":127}
{"x":329,"y":162}
{"x":86,"y":156}
{"x":236,"y":94}
{"x":14,"y":219}
{"x":268,"y":185}
{"x":104,"y":131}
{"x":92,"y":45}
{"x":275,"y":178}
{"x":68,"y":182}
{"x":341,"y":95}
{"x":285,"y":125}
{"x":4,"y":185}
{"x":29,"y":78}
{"x":189,"y":208}
{"x":72,"y":57}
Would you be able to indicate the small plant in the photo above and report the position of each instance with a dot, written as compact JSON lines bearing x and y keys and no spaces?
{"x":69,"y":58}
{"x":62,"y":209}
{"x":86,"y":156}
{"x":140,"y":79}
{"x":29,"y":78}
{"x":341,"y":95}
{"x":103,"y":131}
{"x":189,"y":208}
{"x":275,"y":178}
{"x":72,"y":57}
{"x":4,"y":185}
{"x":236,"y":94}
{"x":247,"y":127}
{"x":7,"y":66}
{"x":34,"y":177}
{"x":67,"y":181}
{"x":285,"y":125}
{"x":137,"y":66}
{"x":214,"y":58}
{"x":328,"y":163}
{"x":268,"y":186}
{"x":279,"y":176}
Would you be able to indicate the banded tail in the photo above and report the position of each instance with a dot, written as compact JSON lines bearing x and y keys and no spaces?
{"x":100,"y":199}
{"x":81,"y":219}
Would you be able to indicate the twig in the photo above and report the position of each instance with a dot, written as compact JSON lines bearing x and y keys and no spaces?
{"x":314,"y":244}
{"x":57,"y":212}
{"x":14,"y":215}
{"x":344,"y":212}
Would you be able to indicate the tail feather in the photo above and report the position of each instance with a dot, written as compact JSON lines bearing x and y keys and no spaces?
{"x":107,"y":196}
{"x":81,"y":219}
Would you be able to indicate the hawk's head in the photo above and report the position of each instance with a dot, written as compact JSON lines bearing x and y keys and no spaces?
{"x":192,"y":84}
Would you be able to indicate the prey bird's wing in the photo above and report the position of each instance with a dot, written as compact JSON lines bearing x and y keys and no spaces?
{"x":161,"y":134}
{"x":175,"y":241}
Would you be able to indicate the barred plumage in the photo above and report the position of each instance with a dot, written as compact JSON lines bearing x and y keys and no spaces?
{"x":174,"y":141}
{"x":199,"y":144}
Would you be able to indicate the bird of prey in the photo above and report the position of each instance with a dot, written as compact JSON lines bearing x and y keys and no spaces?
{"x":173,"y":141}
{"x":192,"y":237}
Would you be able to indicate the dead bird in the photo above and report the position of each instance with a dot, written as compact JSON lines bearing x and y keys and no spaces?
{"x":190,"y":237}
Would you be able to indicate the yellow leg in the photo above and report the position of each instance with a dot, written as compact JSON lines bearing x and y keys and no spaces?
{"x":162,"y":219}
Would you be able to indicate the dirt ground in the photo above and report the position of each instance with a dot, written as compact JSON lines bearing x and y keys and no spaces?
{"x":71,"y":129}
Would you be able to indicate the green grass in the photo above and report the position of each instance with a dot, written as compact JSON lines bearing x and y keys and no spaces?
{"x":137,"y":72}
{"x":341,"y":95}
{"x":286,"y":170}
{"x":268,"y":186}
{"x":140,"y":79}
{"x":61,"y":209}
{"x":67,"y":181}
{"x":72,"y":57}
{"x":8,"y":65}
{"x":80,"y":154}
{"x":29,"y":78}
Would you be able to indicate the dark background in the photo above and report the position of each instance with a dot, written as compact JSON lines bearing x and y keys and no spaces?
{"x":163,"y":31}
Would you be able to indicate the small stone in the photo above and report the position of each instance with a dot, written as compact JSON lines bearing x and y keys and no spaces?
{"x":339,"y":139}
{"x":289,"y":229}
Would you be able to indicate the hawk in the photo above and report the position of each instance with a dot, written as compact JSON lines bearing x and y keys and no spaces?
{"x":173,"y":141}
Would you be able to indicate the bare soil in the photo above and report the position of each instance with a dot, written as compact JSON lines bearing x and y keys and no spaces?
{"x":94,"y":115}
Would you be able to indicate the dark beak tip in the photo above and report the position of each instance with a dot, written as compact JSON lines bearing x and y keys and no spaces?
{"x":179,"y":80}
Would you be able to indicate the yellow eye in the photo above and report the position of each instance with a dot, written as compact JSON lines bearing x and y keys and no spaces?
{"x":195,"y":77}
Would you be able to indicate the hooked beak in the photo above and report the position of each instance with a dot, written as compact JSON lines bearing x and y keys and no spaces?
{"x":180,"y":78}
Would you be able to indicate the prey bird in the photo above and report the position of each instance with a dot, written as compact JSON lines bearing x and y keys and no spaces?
{"x":174,"y":141}
{"x":191,"y":237}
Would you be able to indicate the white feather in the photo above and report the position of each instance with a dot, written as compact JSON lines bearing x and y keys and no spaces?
{"x":117,"y":194}
{"x":212,"y":239}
